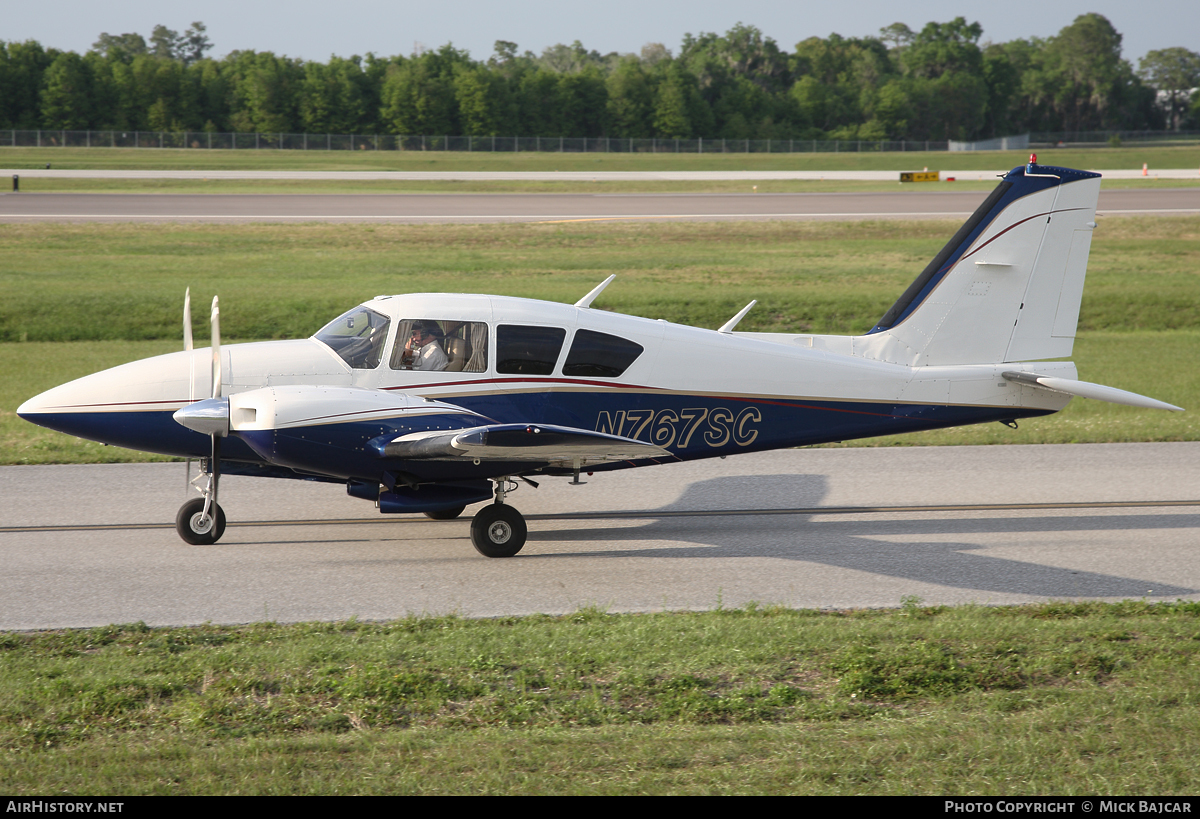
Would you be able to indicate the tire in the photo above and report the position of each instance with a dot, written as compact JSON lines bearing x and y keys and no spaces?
{"x":498,"y":531}
{"x":446,"y":514}
{"x":187,"y":519}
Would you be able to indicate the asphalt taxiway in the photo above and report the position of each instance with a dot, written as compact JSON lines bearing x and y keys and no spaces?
{"x":822,"y":528}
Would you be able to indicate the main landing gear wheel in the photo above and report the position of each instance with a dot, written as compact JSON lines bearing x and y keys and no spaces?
{"x":498,"y":531}
{"x":196,"y":529}
{"x":446,"y":514}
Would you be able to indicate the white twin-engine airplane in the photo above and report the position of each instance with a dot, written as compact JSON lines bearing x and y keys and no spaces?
{"x":421,"y":403}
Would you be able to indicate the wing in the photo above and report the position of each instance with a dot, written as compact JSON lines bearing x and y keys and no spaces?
{"x":543,"y":443}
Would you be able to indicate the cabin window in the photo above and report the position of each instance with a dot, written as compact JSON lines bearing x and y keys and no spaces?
{"x":528,"y":350}
{"x":440,"y":345}
{"x":599,"y":355}
{"x":357,"y":336}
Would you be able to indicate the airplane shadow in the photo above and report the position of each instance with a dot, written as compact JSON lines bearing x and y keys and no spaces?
{"x":858,"y":544}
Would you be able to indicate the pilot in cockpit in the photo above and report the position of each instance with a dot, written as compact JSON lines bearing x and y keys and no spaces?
{"x":423,"y":350}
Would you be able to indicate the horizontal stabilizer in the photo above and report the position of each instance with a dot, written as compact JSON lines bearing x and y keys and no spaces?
{"x":1085,"y":389}
{"x":519,"y":442}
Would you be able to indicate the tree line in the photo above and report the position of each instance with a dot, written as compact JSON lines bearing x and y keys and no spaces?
{"x":933,"y":84}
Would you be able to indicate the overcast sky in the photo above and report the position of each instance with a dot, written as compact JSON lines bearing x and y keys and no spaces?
{"x":315,"y":30}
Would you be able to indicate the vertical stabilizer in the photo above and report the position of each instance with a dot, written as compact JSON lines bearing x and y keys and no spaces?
{"x":1007,"y":287}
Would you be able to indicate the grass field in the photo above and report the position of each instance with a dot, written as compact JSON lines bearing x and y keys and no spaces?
{"x":75,"y":299}
{"x":88,"y":282}
{"x":986,"y":163}
{"x":1058,"y":698}
{"x":378,"y":187}
{"x":158,"y":159}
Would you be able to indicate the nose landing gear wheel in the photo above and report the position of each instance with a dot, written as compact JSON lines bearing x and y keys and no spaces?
{"x":194,"y":528}
{"x":498,"y":531}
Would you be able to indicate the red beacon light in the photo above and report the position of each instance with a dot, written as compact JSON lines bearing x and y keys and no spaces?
{"x":1032,"y":162}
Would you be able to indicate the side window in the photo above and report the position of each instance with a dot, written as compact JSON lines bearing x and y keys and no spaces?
{"x":440,"y":345}
{"x":600,"y":355}
{"x":528,"y":350}
{"x":357,"y":336}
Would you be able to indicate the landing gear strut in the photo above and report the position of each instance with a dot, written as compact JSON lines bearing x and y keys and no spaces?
{"x":201,"y":521}
{"x":498,"y":530}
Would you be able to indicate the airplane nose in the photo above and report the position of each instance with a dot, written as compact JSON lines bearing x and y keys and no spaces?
{"x":67,"y":398}
{"x":31,"y":407}
{"x":132,"y":405}
{"x":107,"y":406}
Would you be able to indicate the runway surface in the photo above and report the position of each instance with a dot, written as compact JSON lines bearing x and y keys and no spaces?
{"x":91,"y":545}
{"x":486,"y":208}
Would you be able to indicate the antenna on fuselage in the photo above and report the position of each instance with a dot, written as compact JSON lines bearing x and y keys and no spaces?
{"x":587,"y":300}
{"x":728,"y":326}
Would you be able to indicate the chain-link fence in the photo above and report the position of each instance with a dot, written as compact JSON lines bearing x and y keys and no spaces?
{"x":1098,"y":139}
{"x":509,"y":144}
{"x":616,"y":145}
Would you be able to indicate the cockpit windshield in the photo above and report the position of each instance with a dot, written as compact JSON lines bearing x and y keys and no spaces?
{"x":357,"y":336}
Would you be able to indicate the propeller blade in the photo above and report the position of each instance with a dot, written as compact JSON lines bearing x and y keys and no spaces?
{"x":187,"y":343}
{"x":209,"y":416}
{"x":216,"y":349}
{"x":188,"y":347}
{"x":187,"y":319}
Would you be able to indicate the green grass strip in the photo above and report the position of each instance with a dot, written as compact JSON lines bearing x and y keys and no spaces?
{"x":1185,"y":156}
{"x":1054,"y":698}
